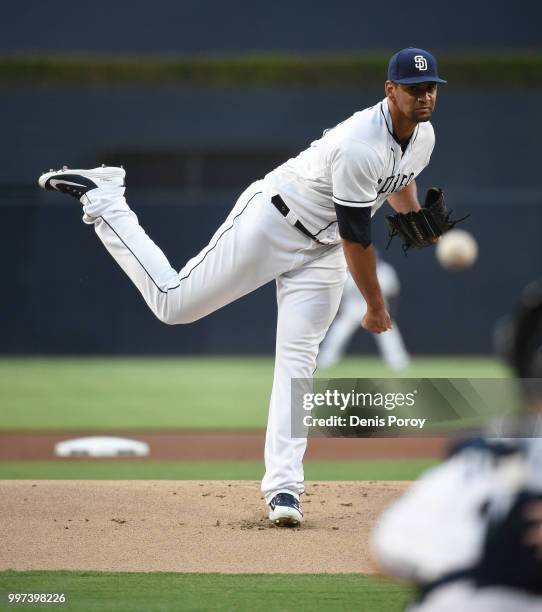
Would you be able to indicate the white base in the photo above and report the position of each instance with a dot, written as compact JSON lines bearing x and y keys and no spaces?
{"x":101,"y":446}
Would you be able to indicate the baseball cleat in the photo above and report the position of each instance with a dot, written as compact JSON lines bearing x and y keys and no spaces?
{"x":284,"y":511}
{"x":78,"y":182}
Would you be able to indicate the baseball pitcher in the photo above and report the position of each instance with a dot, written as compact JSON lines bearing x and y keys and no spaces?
{"x":295,"y":227}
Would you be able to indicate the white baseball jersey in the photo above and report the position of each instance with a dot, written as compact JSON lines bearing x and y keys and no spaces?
{"x":357,"y":163}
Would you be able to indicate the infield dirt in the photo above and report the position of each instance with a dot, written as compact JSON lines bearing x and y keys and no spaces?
{"x":229,"y":445}
{"x":185,"y":526}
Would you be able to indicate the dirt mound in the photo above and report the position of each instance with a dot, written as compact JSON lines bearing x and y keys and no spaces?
{"x":185,"y":526}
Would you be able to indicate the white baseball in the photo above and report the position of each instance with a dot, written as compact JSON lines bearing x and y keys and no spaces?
{"x":457,"y":249}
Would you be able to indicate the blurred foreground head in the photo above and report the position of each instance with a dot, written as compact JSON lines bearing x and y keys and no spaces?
{"x":519,"y":342}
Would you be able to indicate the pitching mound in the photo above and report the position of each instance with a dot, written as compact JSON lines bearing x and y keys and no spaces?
{"x":185,"y":526}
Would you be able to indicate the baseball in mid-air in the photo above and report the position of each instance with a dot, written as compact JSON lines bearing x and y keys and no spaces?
{"x":457,"y":249}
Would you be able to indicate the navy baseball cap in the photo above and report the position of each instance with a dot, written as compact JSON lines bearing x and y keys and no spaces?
{"x":413,"y":65}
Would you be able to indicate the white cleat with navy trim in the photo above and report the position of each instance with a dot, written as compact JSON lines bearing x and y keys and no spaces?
{"x":285,"y":511}
{"x":78,"y":182}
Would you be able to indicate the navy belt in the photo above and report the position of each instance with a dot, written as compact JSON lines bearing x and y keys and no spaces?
{"x":283,"y":209}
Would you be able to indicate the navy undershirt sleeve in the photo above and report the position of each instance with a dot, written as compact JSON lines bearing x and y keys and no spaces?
{"x":355,"y":223}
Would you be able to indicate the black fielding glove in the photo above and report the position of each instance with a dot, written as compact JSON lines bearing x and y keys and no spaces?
{"x":423,"y":227}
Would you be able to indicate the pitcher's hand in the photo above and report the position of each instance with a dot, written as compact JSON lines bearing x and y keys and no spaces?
{"x":376,"y":320}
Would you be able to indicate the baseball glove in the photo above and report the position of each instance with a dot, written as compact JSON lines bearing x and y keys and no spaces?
{"x":422,"y":228}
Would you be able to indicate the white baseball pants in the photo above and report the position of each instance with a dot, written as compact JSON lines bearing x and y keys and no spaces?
{"x":253,"y":246}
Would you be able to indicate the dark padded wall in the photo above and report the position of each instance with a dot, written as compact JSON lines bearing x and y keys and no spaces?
{"x":199,"y":26}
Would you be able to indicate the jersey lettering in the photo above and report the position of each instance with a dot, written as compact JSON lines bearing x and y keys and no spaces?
{"x":395,"y":182}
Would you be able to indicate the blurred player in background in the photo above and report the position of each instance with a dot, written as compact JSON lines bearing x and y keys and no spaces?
{"x":347,"y":323}
{"x":469,"y":532}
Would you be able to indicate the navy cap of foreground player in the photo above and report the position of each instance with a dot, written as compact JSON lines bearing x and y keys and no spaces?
{"x":413,"y":65}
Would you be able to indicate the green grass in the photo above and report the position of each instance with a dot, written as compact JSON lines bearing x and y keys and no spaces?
{"x":421,"y":367}
{"x":116,"y":592}
{"x":82,"y":394}
{"x":105,"y":394}
{"x":407,"y":469}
